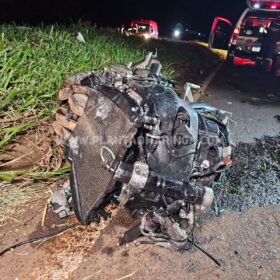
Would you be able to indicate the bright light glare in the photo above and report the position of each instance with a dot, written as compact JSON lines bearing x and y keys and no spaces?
{"x":257,"y":6}
{"x":177,"y":33}
{"x":146,"y":36}
{"x":273,"y":7}
{"x":236,"y":31}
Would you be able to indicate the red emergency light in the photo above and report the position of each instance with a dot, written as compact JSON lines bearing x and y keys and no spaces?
{"x":265,"y":5}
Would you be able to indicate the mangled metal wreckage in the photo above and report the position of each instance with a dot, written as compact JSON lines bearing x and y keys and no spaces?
{"x":130,"y":138}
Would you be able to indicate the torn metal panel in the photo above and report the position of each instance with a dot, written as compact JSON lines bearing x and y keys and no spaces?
{"x":95,"y":149}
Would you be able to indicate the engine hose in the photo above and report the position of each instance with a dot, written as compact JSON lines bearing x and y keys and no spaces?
{"x":175,"y":189}
{"x":178,"y":190}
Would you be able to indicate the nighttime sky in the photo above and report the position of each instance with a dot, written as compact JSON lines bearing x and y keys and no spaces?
{"x":193,"y":14}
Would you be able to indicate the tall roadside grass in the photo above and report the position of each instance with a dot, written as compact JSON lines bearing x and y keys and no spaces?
{"x":33,"y":62}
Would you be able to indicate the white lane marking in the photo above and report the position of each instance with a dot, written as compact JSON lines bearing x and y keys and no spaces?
{"x":207,"y":82}
{"x":210,"y":78}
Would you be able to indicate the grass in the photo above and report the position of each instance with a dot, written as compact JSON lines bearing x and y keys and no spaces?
{"x":221,"y":53}
{"x":14,"y":201}
{"x":34,"y":61}
{"x":9,"y":175}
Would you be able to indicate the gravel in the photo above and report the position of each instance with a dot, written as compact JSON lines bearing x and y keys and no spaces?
{"x":254,"y":178}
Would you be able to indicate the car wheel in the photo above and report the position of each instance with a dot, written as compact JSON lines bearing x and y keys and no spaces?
{"x":259,"y":63}
{"x":230,"y":59}
{"x":275,"y":64}
{"x":265,"y":65}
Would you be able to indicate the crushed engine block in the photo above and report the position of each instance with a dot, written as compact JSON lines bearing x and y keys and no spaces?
{"x":130,"y":137}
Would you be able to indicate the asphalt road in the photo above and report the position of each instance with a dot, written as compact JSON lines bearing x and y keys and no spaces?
{"x":252,"y":97}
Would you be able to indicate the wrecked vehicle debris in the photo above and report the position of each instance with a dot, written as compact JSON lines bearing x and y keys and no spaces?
{"x":131,"y":139}
{"x":61,"y":201}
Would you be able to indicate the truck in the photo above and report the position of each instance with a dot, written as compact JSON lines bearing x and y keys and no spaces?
{"x":248,"y":38}
{"x":144,"y":28}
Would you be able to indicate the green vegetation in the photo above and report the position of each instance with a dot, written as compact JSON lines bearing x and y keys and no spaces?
{"x":34,"y":61}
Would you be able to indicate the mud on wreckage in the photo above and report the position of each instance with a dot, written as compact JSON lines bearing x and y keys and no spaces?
{"x":131,"y":139}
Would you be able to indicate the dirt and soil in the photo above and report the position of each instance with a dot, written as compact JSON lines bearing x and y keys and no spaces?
{"x":247,"y":245}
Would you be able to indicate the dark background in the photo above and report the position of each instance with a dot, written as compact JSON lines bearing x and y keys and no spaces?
{"x":193,"y":14}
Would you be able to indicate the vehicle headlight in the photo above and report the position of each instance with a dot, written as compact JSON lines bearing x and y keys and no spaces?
{"x":177,"y":33}
{"x":146,"y":36}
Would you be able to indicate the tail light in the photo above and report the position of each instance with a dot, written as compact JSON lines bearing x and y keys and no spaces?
{"x":235,"y":35}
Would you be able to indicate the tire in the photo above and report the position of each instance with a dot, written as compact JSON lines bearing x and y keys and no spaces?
{"x":275,"y":65}
{"x":265,"y":65}
{"x":230,"y":59}
{"x":72,"y":99}
{"x":259,"y":63}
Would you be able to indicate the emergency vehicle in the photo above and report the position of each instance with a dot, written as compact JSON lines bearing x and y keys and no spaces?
{"x":145,"y":28}
{"x":246,"y":39}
